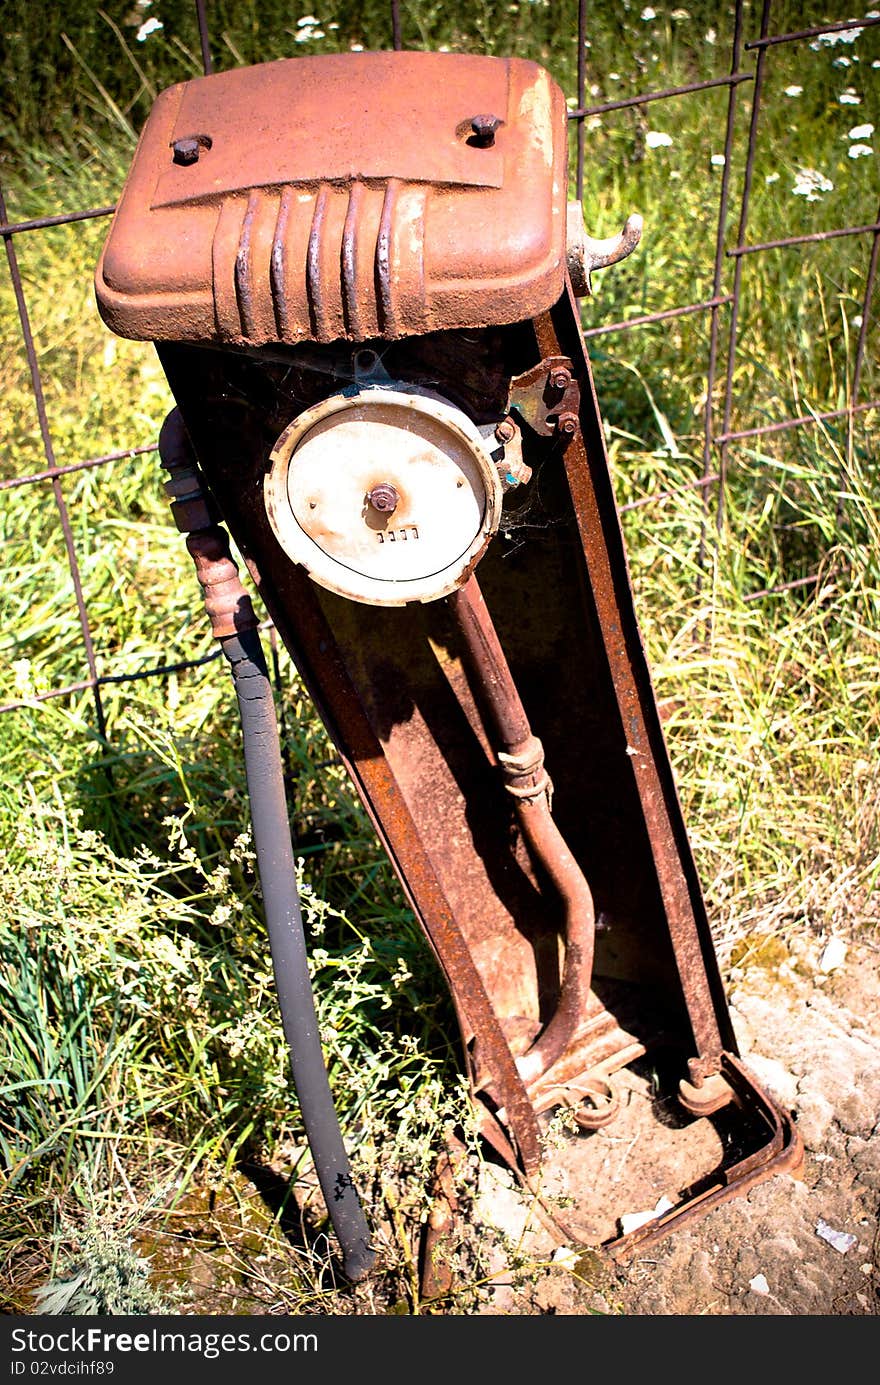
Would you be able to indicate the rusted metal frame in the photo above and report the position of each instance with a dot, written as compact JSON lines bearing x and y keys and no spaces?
{"x":768,"y":41}
{"x":733,"y":333}
{"x":318,"y":658}
{"x":644,"y":99}
{"x":859,"y":358}
{"x":799,"y":422}
{"x":158,"y":670}
{"x":522,"y":763}
{"x":437,"y":1275}
{"x":628,"y":667}
{"x":863,"y":331}
{"x":40,"y":223}
{"x":783,"y":587}
{"x":202,"y":21}
{"x":857,"y":364}
{"x":721,"y":231}
{"x":659,"y":496}
{"x":48,"y":448}
{"x":581,"y":96}
{"x":87,"y":465}
{"x":45,"y":696}
{"x":872,"y":226}
{"x":782,"y":1153}
{"x":661,"y":316}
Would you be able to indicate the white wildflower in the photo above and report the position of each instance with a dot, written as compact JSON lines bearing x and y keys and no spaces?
{"x":772,"y":178}
{"x":810,"y":183}
{"x":849,"y":98}
{"x":401,"y":975}
{"x":842,"y":62}
{"x":648,"y":14}
{"x":860,"y":151}
{"x":718,"y":160}
{"x":861,"y":132}
{"x":657,"y":139}
{"x":709,"y":36}
{"x":793,"y":91}
{"x":24,"y":681}
{"x":680,"y":14}
{"x":832,"y":40}
{"x":308,"y":21}
{"x":357,"y":48}
{"x":856,"y":321}
{"x":148,"y":27}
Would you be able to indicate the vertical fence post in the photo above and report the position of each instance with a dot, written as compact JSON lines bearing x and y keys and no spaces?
{"x":717,"y":279}
{"x":732,"y":341}
{"x":49,"y":450}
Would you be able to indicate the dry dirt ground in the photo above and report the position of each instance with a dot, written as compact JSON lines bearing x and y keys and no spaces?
{"x":794,"y":1245}
{"x":808,"y":1026}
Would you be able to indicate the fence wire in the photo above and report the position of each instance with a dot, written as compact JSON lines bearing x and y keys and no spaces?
{"x":747,"y":70}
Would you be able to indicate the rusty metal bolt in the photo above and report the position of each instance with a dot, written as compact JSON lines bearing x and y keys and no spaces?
{"x":560,"y":378}
{"x":483,"y":129}
{"x":505,"y":430}
{"x":188,"y":149}
{"x":384,"y":498}
{"x":567,"y":423}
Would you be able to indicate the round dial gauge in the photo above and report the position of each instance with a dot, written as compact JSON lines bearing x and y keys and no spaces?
{"x":385,"y":496}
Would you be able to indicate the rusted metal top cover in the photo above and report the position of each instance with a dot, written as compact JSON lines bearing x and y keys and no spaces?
{"x":353,"y":196}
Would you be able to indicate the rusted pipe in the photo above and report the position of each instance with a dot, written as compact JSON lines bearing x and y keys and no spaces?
{"x":521,"y":757}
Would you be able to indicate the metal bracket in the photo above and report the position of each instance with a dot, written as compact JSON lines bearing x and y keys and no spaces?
{"x":547,"y":397}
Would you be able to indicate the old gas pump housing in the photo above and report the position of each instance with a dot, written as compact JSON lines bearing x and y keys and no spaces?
{"x":359,"y":271}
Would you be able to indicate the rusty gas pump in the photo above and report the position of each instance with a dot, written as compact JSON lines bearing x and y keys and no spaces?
{"x":361,"y":272}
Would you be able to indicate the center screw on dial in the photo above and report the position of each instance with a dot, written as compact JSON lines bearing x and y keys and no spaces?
{"x":384,"y":498}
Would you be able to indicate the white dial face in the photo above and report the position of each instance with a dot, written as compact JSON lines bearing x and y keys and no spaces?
{"x":386,"y":496}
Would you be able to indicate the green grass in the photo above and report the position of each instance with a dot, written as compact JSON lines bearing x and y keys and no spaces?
{"x":141,"y":1052}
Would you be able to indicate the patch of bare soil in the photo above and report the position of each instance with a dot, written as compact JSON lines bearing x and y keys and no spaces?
{"x":806,"y":1244}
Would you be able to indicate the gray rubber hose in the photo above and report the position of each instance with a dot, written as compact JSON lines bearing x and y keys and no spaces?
{"x":275,"y":862}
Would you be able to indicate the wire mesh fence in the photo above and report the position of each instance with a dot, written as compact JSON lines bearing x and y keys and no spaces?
{"x":730,"y":260}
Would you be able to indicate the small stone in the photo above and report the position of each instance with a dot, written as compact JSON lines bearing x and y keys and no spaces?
{"x":631,"y":1221}
{"x":840,"y":1240}
{"x":833,"y":955}
{"x":759,"y":1285}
